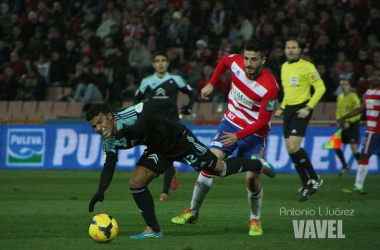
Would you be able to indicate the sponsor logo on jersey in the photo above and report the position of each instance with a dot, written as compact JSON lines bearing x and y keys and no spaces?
{"x":160,"y":92}
{"x":240,"y":97}
{"x":293,"y":81}
{"x":25,"y":147}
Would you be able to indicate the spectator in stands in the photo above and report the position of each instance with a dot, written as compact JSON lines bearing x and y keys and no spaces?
{"x":43,"y":67}
{"x":58,"y":70}
{"x":330,"y":84}
{"x":16,"y":64}
{"x":246,"y":27}
{"x":8,"y":84}
{"x":71,"y":56}
{"x":134,"y":28}
{"x":173,"y":31}
{"x":105,"y":27}
{"x":115,"y":63}
{"x":362,"y":84}
{"x":139,"y":59}
{"x":90,"y":88}
{"x":36,"y":44}
{"x":238,"y":47}
{"x":219,"y":15}
{"x":31,"y":87}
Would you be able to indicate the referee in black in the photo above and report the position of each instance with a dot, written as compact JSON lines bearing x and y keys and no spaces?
{"x":298,"y":76}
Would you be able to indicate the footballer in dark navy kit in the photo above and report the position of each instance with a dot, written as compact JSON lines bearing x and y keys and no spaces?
{"x":163,"y":85}
{"x":167,"y":141}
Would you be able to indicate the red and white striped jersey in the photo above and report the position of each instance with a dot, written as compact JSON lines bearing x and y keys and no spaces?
{"x":251,"y":102}
{"x":371,"y":102}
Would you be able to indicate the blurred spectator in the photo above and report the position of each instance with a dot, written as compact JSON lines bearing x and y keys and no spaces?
{"x":71,"y":56}
{"x":363,"y":82}
{"x":105,"y":26}
{"x":36,"y":44}
{"x":115,"y":66}
{"x":219,"y":15}
{"x":224,"y":49}
{"x":330,"y":84}
{"x":58,"y":70}
{"x":204,"y":15}
{"x":139,"y":59}
{"x":246,"y":27}
{"x":192,"y":72}
{"x":16,"y":64}
{"x":372,"y":45}
{"x":134,"y":28}
{"x":43,"y":67}
{"x":8,"y":84}
{"x":238,"y":47}
{"x":173,"y":31}
{"x":31,"y":87}
{"x":206,"y":76}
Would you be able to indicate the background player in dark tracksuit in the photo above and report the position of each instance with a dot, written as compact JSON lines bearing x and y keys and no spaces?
{"x":167,"y":141}
{"x":163,"y":85}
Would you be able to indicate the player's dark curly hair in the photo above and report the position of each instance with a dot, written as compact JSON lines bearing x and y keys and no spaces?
{"x":256,"y":45}
{"x":95,"y":110}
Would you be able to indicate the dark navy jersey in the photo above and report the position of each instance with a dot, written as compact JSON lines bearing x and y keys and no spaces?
{"x":165,"y":88}
{"x":144,"y":125}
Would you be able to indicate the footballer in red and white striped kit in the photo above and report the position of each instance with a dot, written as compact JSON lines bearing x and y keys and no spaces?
{"x":371,"y":139}
{"x":245,"y":126}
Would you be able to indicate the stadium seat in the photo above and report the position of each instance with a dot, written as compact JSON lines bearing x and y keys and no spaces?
{"x":3,"y":109}
{"x":59,"y":110}
{"x":54,"y":93}
{"x":14,"y":110}
{"x":74,"y":110}
{"x":330,"y":109}
{"x":29,"y":109}
{"x":44,"y":109}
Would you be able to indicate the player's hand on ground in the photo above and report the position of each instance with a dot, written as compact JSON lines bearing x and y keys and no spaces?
{"x":207,"y":91}
{"x":279,"y":113}
{"x":186,"y":110}
{"x":99,"y":196}
{"x":303,"y":113}
{"x":228,"y":138}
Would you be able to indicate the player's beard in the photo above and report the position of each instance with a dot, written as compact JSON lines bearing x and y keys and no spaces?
{"x":255,"y":73}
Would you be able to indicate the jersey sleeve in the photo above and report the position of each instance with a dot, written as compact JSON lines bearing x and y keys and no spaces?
{"x":141,"y":91}
{"x":267,"y":107}
{"x":318,"y":85}
{"x":222,"y":66}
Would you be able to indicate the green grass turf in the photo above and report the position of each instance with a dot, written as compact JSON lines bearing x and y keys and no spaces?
{"x":48,"y":210}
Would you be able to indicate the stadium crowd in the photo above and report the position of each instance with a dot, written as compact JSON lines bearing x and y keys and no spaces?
{"x":98,"y":43}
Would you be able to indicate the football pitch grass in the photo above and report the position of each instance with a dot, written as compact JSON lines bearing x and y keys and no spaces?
{"x":49,"y":210}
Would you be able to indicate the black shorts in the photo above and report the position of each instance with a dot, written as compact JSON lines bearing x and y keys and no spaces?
{"x":352,"y":133}
{"x":294,"y":125}
{"x":192,"y":152}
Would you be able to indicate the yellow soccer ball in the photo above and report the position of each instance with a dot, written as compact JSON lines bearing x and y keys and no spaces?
{"x":103,"y":228}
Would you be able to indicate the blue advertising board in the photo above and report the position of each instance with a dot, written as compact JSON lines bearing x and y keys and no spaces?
{"x":77,"y":146}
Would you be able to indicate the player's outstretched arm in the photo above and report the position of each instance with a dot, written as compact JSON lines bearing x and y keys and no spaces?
{"x":105,"y":179}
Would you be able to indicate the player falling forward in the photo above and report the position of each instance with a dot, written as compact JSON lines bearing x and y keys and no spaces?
{"x":167,"y":141}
